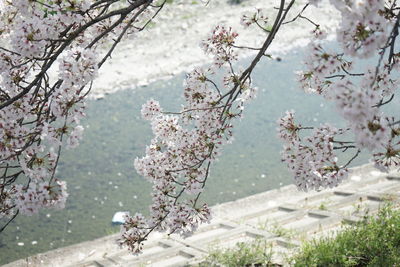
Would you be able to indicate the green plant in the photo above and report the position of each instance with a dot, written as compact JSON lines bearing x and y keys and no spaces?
{"x":255,"y":253}
{"x":322,"y":206}
{"x":235,"y":2}
{"x":282,"y":232}
{"x":375,"y":241}
{"x":276,"y":229}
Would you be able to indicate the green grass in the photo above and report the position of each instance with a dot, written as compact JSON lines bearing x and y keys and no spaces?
{"x":256,"y":253}
{"x":275,"y":228}
{"x":235,"y":2}
{"x":375,"y":241}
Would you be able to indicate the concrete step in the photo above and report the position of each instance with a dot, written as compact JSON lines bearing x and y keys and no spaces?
{"x":283,"y":217}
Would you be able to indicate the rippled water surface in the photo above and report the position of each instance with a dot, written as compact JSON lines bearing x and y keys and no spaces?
{"x":100,"y":174}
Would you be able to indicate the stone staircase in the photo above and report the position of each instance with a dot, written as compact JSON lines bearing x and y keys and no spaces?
{"x":285,"y":217}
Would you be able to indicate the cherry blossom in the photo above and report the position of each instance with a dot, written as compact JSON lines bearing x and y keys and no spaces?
{"x":40,"y":114}
{"x":311,"y":159}
{"x":366,"y":31}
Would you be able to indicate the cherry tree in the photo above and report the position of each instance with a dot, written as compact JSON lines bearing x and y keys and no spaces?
{"x":40,"y":114}
{"x":49,"y":56}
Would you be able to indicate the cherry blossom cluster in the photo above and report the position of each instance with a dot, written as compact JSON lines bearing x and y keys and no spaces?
{"x":220,"y":45}
{"x":365,"y":25}
{"x":359,"y":90}
{"x":320,"y":63}
{"x":185,"y":143}
{"x":40,"y":194}
{"x":311,"y":159}
{"x":389,"y":157}
{"x":382,"y":81}
{"x":258,"y":18}
{"x":50,"y":53}
{"x":288,"y":130}
{"x":177,"y":162}
{"x":364,"y":28}
{"x":358,"y":107}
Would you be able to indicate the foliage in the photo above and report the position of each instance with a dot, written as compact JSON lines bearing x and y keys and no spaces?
{"x":255,"y":253}
{"x":375,"y":241}
{"x":236,"y":2}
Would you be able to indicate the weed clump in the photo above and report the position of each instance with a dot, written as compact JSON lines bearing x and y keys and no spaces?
{"x":374,"y":241}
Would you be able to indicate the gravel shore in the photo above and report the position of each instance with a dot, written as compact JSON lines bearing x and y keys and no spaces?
{"x":171,"y":44}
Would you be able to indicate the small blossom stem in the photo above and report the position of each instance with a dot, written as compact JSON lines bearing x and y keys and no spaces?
{"x":300,"y":15}
{"x":9,"y":221}
{"x":353,"y":158}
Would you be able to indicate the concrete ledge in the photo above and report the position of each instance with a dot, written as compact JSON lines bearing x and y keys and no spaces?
{"x":284,"y":217}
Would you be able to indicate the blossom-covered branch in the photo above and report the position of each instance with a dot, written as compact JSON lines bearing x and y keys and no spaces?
{"x":50,"y":53}
{"x":367,"y":33}
{"x":186,"y":143}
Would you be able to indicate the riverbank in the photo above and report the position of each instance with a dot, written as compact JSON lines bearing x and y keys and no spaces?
{"x":171,"y":44}
{"x":285,"y":217}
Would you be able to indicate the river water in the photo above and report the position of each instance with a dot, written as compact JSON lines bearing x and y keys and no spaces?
{"x":101,"y":178}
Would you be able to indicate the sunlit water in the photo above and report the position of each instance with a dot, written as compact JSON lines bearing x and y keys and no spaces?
{"x":100,"y":174}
